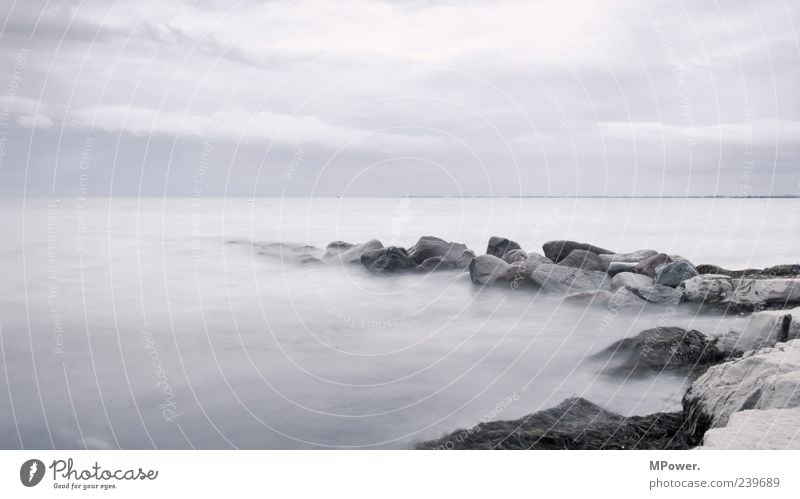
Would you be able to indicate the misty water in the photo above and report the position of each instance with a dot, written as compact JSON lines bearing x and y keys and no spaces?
{"x":176,"y":323}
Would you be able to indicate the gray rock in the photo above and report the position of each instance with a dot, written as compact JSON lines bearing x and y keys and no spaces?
{"x":763,"y":330}
{"x":673,"y":274}
{"x":336,"y":247}
{"x":615,"y":268}
{"x":575,"y":423}
{"x":391,"y":259}
{"x":557,"y":278}
{"x":537,"y":259}
{"x":586,"y":260}
{"x":761,"y":379}
{"x":499,"y":246}
{"x":430,"y":246}
{"x":633,"y":257}
{"x":624,"y":298}
{"x":354,"y":252}
{"x":516,"y":255}
{"x":558,"y":250}
{"x":662,"y":349}
{"x":764,"y":429}
{"x":486,"y":269}
{"x":741,"y":294}
{"x":658,"y":293}
{"x":436,"y":263}
{"x":790,"y":270}
{"x":648,"y":265}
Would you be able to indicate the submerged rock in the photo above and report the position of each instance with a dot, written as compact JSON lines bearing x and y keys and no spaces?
{"x":391,"y":259}
{"x":585,"y":260}
{"x":560,"y":279}
{"x":673,"y":274}
{"x":499,"y":246}
{"x":761,"y":379}
{"x":336,"y":247}
{"x":558,"y":250}
{"x":587,"y":298}
{"x":663,"y":349}
{"x":768,"y":429}
{"x":575,"y":423}
{"x":352,"y":254}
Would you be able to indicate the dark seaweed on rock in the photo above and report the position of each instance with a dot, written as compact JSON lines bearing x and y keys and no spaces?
{"x":671,"y":349}
{"x":575,"y":423}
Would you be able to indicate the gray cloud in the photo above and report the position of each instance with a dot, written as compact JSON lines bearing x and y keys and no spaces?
{"x":391,"y":98}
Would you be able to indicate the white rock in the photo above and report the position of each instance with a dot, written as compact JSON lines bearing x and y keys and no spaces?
{"x":763,"y":330}
{"x":762,"y":379}
{"x":486,"y":269}
{"x":757,"y":429}
{"x":631,"y":280}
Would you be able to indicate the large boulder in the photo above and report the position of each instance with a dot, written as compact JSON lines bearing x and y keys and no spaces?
{"x":768,"y":429}
{"x":391,"y":259}
{"x":763,"y":330}
{"x":486,"y":269}
{"x":745,"y":293}
{"x":558,"y":250}
{"x":673,"y":274}
{"x":662,"y":349}
{"x":560,"y":279}
{"x":430,"y":247}
{"x":585,"y":260}
{"x":575,"y":423}
{"x":648,"y":265}
{"x":762,"y":379}
{"x":499,"y":246}
{"x":352,"y":254}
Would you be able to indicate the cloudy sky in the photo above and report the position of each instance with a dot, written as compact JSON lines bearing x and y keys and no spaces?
{"x":389,"y":98}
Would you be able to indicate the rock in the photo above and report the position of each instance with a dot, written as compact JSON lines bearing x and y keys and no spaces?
{"x":486,"y":269}
{"x":633,"y":257}
{"x":744,"y":293}
{"x":391,"y":259}
{"x":585,"y":260}
{"x":557,"y":278}
{"x":354,"y":252}
{"x":535,"y":259}
{"x":436,"y":263}
{"x":672,"y":274}
{"x":615,"y":268}
{"x":499,"y":246}
{"x":625,"y":298}
{"x":663,"y":349}
{"x":336,"y":247}
{"x":558,"y":250}
{"x":763,"y":330}
{"x":769,"y":429}
{"x":516,"y":255}
{"x":631,"y":280}
{"x":761,"y":379}
{"x":643,"y":287}
{"x":429,"y":247}
{"x":648,"y":265}
{"x":791,"y":270}
{"x":575,"y":423}
{"x":587,"y":298}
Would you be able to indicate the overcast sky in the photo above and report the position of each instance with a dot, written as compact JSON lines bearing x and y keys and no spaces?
{"x":389,"y":98}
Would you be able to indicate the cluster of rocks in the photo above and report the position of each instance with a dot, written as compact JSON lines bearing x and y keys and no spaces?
{"x":741,"y":400}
